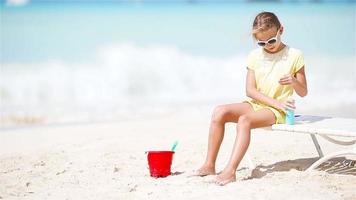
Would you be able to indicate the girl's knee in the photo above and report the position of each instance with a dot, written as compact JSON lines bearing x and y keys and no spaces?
{"x":244,"y":121}
{"x":219,"y":114}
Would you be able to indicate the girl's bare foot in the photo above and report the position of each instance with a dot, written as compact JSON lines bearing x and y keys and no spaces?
{"x":225,"y":177}
{"x":205,"y":170}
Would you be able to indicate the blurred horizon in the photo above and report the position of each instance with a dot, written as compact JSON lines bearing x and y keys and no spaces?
{"x":82,"y":61}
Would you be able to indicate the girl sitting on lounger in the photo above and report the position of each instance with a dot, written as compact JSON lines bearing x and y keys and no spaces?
{"x":274,"y":71}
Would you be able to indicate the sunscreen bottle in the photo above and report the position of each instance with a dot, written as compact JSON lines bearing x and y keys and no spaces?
{"x":290,"y":118}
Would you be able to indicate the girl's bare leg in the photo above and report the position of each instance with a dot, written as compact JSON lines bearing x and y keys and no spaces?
{"x":221,"y":115}
{"x":261,"y":118}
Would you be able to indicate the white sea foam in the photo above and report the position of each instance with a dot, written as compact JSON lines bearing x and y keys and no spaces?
{"x":126,"y":77}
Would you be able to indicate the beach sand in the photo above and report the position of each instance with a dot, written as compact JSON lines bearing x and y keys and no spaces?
{"x":108,"y":161}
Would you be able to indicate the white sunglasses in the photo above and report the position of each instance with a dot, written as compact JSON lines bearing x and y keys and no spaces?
{"x":269,"y":41}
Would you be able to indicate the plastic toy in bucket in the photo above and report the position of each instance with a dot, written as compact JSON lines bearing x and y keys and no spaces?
{"x":160,"y":163}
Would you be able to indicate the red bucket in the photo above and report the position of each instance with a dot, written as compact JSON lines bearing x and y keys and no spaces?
{"x":160,"y":163}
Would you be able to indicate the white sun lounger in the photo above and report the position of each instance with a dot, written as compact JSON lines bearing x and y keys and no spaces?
{"x":325,"y":127}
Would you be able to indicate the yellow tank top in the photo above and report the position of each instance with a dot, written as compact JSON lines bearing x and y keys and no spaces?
{"x":268,"y":69}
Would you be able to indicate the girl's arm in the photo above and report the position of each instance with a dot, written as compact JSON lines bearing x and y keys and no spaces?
{"x":298,"y":81}
{"x":253,"y":93}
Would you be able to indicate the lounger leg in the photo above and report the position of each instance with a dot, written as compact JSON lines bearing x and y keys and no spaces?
{"x":251,"y":165}
{"x":317,"y":146}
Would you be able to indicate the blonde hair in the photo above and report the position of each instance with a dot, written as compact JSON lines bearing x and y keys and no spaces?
{"x":264,"y":21}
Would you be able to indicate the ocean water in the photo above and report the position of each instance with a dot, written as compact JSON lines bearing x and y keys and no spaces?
{"x":98,"y":61}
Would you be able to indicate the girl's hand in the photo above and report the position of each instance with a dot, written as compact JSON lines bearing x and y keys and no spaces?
{"x":284,"y":106}
{"x":290,"y":104}
{"x":287,"y":80}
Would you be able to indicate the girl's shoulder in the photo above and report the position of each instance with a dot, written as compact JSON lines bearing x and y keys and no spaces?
{"x":255,"y":52}
{"x":295,"y":51}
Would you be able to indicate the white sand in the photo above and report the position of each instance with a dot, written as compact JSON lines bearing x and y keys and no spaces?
{"x":108,"y":161}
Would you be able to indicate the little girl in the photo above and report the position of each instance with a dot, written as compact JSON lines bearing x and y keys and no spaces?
{"x":274,"y":71}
